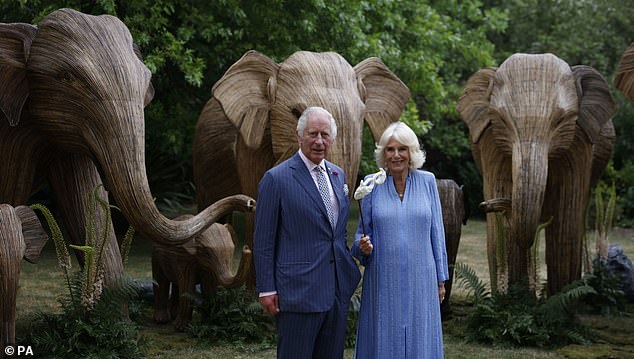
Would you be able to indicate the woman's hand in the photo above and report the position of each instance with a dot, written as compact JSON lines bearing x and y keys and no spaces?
{"x":365,"y":245}
{"x":441,"y":291}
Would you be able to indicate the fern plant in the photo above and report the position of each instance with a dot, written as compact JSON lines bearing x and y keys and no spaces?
{"x":520,"y":318}
{"x":92,"y":323}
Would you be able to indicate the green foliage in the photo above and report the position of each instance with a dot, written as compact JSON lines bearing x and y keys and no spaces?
{"x":608,"y":297}
{"x":467,"y":278}
{"x":625,"y":200}
{"x":63,"y":257}
{"x":352,"y":320}
{"x":80,"y":332}
{"x":519,"y":318}
{"x":433,"y":46}
{"x":93,"y":321}
{"x":231,"y":315}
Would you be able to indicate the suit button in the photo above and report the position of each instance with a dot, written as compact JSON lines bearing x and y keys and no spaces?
{"x":332,"y":261}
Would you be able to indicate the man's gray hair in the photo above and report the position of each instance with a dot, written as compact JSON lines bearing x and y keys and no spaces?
{"x":303,"y":119}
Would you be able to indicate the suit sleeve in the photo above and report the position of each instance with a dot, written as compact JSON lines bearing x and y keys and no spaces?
{"x":437,"y":232}
{"x":265,"y":233}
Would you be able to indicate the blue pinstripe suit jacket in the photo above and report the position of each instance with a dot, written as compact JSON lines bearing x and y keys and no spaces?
{"x":296,"y":251}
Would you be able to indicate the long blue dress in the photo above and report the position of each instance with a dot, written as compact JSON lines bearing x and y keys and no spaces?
{"x":400,"y":309}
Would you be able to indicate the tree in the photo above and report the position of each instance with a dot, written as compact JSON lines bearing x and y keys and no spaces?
{"x":433,"y":46}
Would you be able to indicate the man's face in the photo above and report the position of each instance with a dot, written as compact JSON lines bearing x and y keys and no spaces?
{"x":316,"y":139}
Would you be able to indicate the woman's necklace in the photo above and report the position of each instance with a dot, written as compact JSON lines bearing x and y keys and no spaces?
{"x":402,"y":192}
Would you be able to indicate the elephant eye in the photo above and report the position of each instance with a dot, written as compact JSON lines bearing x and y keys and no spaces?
{"x":296,"y":112}
{"x":65,"y":76}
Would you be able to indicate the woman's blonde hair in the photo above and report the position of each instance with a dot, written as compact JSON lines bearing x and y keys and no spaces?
{"x":400,"y":132}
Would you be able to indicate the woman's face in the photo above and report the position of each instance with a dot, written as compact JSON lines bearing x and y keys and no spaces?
{"x":396,"y":157}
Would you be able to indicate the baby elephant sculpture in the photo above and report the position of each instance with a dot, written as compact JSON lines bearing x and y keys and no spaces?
{"x":206,"y":260}
{"x":455,"y":213}
{"x":21,"y":236}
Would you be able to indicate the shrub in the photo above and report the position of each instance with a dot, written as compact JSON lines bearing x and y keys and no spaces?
{"x":519,"y":318}
{"x":231,"y":315}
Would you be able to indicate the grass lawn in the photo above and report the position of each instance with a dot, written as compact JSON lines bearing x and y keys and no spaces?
{"x":42,"y":284}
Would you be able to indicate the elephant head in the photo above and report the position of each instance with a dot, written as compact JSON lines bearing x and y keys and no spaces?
{"x":21,"y":236}
{"x":84,"y":88}
{"x":541,"y":134}
{"x":207,"y":260}
{"x":250,"y":123}
{"x":213,"y":251}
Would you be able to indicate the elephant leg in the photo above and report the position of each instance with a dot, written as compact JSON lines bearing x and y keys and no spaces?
{"x":11,"y":252}
{"x":9,"y":274}
{"x":568,"y":191}
{"x":253,"y":163}
{"x":174,"y":298}
{"x":208,"y":287}
{"x":187,"y":285}
{"x":497,"y":184}
{"x":73,"y":179}
{"x":161,"y":289}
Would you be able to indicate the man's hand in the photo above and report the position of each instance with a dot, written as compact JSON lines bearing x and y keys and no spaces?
{"x":270,"y":304}
{"x":365,"y":245}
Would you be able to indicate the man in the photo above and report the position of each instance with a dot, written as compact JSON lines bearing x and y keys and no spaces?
{"x":305,"y":274}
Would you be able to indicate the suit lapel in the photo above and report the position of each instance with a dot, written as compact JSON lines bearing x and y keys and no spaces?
{"x":303,"y":177}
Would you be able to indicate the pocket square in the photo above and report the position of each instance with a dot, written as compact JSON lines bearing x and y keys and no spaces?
{"x":345,"y":189}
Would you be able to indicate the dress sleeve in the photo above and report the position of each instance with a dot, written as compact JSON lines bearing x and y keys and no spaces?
{"x":438,"y":232}
{"x":366,"y":212}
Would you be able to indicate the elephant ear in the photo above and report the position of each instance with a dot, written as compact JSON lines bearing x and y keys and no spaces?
{"x":15,"y":45}
{"x":596,"y":105}
{"x":474,"y":103}
{"x":383,"y":93}
{"x":624,"y":79}
{"x":35,"y":237}
{"x":149,"y":93}
{"x":246,"y":92}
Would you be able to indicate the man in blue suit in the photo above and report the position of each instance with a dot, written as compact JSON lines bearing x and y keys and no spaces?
{"x":305,"y":274}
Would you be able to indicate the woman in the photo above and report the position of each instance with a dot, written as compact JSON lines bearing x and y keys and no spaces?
{"x":403,"y":250}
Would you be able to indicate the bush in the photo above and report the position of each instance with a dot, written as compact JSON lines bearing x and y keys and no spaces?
{"x":518,"y":318}
{"x":231,"y":315}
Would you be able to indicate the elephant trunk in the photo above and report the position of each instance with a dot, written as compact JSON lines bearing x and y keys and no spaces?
{"x":127,"y":181}
{"x":227,"y":280}
{"x":530,"y":173}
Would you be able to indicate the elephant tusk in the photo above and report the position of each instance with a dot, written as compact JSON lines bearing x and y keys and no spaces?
{"x":496,"y":205}
{"x":251,"y":205}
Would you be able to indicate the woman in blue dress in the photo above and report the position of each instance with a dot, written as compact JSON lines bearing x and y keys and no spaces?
{"x":401,"y":244}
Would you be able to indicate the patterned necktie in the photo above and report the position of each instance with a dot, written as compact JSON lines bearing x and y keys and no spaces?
{"x":325,"y":194}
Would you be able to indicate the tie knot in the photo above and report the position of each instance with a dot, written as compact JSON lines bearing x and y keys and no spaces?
{"x":318,"y":169}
